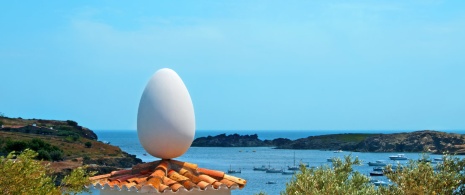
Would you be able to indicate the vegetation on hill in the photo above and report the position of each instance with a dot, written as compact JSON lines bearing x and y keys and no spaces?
{"x":21,"y":174}
{"x":68,"y":129}
{"x":65,"y":144}
{"x":417,"y":177}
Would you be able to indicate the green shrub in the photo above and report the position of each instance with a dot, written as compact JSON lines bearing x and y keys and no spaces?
{"x":43,"y":155}
{"x":27,"y":176}
{"x":15,"y":146}
{"x":417,"y":177}
{"x":338,"y":179}
{"x":88,"y":144}
{"x":56,"y":155}
{"x":72,"y":123}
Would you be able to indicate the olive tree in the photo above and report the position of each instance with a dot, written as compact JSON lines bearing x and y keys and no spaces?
{"x":422,"y":177}
{"x":338,"y":179}
{"x":21,"y":174}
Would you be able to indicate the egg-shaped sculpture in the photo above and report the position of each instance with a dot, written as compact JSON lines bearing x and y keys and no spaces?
{"x":165,"y":120}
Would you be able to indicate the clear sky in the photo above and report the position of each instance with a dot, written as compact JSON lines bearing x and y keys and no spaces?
{"x":264,"y":65}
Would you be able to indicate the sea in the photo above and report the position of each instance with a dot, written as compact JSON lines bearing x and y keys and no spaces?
{"x":246,"y":158}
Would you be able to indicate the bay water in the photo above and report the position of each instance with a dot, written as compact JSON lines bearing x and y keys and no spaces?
{"x":245,"y":158}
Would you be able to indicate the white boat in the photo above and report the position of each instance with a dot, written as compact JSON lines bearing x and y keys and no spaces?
{"x":380,"y":183}
{"x":378,"y":163}
{"x":338,"y":151}
{"x":438,"y":159}
{"x":398,"y":157}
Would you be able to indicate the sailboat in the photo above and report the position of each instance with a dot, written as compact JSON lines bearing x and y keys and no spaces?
{"x":293,"y":168}
{"x":233,"y":171}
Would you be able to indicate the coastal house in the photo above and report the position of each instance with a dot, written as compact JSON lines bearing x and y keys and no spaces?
{"x":166,"y":128}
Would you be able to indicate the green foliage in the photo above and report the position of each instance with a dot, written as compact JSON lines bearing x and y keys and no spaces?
{"x":56,"y":155}
{"x":72,"y":137}
{"x":338,"y":179}
{"x":421,"y":177}
{"x":72,"y":123}
{"x":417,"y":177}
{"x":23,"y":175}
{"x":43,"y":155}
{"x":45,"y":150}
{"x":15,"y":146}
{"x":88,"y":144}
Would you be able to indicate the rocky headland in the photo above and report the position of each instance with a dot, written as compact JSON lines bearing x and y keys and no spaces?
{"x":64,"y":144}
{"x":418,"y":141}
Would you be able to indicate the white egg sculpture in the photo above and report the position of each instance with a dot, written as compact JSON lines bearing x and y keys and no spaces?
{"x":165,"y":120}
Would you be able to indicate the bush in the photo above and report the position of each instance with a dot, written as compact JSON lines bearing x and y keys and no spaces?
{"x":88,"y":144}
{"x":417,"y":177}
{"x":15,"y":146}
{"x":43,"y":155}
{"x":56,"y":155}
{"x":27,"y":176}
{"x":338,"y":179}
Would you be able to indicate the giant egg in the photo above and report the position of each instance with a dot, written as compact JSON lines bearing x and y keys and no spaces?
{"x":165,"y":120}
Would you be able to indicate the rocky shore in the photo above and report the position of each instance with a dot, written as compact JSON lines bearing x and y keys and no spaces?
{"x":418,"y":141}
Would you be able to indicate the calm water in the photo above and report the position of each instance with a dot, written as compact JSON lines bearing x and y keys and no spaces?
{"x":247,"y":158}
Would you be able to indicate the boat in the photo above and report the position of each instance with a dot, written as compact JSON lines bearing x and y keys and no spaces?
{"x":398,"y":157}
{"x":274,"y":170}
{"x":262,"y":168}
{"x":270,"y":182}
{"x":376,"y":173}
{"x":230,"y":170}
{"x":293,"y":168}
{"x":438,"y":159}
{"x":288,"y":172}
{"x":380,"y":183}
{"x":378,"y":163}
{"x":338,"y":151}
{"x":381,"y":169}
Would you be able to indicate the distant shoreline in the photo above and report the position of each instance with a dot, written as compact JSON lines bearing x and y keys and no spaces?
{"x":417,"y":141}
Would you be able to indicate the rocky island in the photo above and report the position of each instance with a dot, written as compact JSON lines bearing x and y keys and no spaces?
{"x":64,"y":144}
{"x":419,"y":141}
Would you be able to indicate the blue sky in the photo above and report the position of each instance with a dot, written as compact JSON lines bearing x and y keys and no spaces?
{"x":264,"y":65}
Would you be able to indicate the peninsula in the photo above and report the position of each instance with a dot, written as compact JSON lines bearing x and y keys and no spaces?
{"x":64,"y":144}
{"x":418,"y":141}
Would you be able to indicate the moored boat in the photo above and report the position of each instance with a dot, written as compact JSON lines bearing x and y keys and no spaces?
{"x":230,"y":170}
{"x":376,"y":173}
{"x":288,"y":172}
{"x":377,"y":163}
{"x":274,"y":170}
{"x":398,"y":157}
{"x":262,"y":168}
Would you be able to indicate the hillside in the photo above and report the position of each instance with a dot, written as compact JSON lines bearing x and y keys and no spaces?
{"x":64,"y":144}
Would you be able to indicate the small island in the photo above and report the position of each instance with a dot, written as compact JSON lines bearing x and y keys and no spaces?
{"x":418,"y":141}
